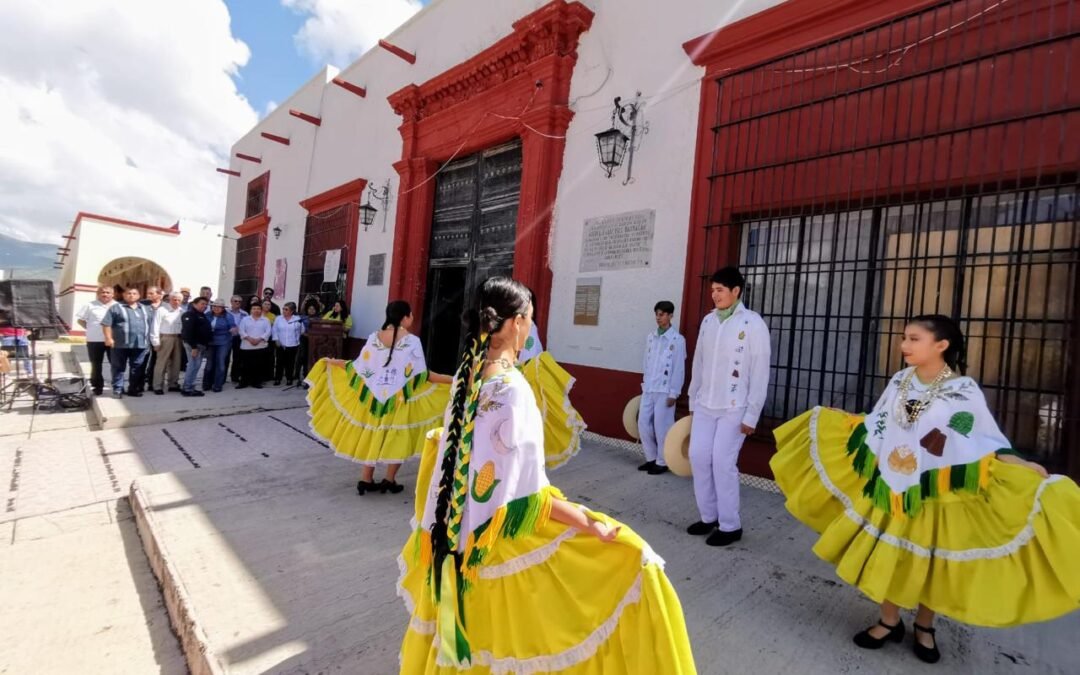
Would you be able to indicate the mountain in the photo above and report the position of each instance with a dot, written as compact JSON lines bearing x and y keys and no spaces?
{"x":27,"y":260}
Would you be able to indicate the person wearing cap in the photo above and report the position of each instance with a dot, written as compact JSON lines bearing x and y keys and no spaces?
{"x":664,"y":370}
{"x":196,"y":333}
{"x":222,"y":330}
{"x":728,"y":386}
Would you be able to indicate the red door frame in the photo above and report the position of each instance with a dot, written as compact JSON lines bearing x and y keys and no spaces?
{"x":341,"y":195}
{"x":518,"y":87}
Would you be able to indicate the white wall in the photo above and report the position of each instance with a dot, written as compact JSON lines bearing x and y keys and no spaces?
{"x":189,"y":258}
{"x":631,"y":46}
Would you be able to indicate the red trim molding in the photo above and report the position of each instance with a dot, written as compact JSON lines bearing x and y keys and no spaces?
{"x":310,"y":119}
{"x":335,"y":197}
{"x":229,"y":172}
{"x":174,"y":229}
{"x":275,"y":138}
{"x":249,"y":158}
{"x":258,"y":223}
{"x":350,"y":87}
{"x":502,"y":78}
{"x":86,"y":288}
{"x":408,"y":57}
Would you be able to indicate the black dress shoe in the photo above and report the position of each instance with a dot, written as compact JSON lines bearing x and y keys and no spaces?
{"x":721,"y":538}
{"x":241,"y":386}
{"x":257,"y":386}
{"x":136,"y":394}
{"x":390,"y":486}
{"x":699,"y":528}
{"x":159,"y":392}
{"x":868,"y":641}
{"x":925,"y":654}
{"x":97,"y":392}
{"x":646,"y":466}
{"x":657,"y":470}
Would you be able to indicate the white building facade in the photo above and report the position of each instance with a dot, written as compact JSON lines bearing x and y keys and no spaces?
{"x":107,"y":251}
{"x":472,"y":132}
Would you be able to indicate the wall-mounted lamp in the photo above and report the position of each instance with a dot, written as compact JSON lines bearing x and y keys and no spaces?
{"x":614,"y":145}
{"x":277,"y":231}
{"x":367,"y":211}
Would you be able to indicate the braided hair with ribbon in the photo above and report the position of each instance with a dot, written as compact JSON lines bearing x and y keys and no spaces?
{"x":498,"y":300}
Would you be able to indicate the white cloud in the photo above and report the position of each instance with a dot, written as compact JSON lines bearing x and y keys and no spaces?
{"x":337,"y":31}
{"x":271,"y":106}
{"x":122,"y":107}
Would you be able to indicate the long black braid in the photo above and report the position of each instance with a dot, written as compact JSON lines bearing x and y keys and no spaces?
{"x":396,"y":312}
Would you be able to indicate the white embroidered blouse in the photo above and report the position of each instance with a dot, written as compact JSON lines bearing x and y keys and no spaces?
{"x":383,"y":379}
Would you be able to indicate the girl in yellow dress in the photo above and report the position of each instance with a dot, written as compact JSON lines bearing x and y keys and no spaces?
{"x":924,"y":504}
{"x":377,"y":409}
{"x":501,"y":573}
{"x":551,"y":386}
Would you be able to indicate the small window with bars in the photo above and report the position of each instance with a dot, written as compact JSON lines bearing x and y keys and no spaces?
{"x":256,"y":196}
{"x":249,"y":265}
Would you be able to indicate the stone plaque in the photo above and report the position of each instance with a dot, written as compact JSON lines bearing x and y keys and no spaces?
{"x":376,"y":269}
{"x":587,"y":302}
{"x":619,"y":242}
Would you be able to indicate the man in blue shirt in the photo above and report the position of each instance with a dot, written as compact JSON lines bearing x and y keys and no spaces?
{"x":127,"y":334}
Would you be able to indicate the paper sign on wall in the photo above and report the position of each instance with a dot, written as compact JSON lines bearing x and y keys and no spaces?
{"x":281,"y":266}
{"x":587,"y":302}
{"x":331,"y":265}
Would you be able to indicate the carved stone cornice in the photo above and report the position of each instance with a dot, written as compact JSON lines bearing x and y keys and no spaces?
{"x":554,"y":29}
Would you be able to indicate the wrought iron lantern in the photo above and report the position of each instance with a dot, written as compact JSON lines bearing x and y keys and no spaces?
{"x":277,"y":232}
{"x":614,"y":145}
{"x":367,"y":211}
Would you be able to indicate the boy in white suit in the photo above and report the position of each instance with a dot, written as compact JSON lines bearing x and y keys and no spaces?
{"x":727,"y":393}
{"x":664,"y":371}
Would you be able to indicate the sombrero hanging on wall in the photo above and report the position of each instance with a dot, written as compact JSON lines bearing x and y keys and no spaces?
{"x":677,"y":447}
{"x":630,"y":416}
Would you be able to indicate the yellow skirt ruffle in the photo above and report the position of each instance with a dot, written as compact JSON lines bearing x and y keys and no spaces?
{"x":1004,"y":557}
{"x":555,"y":601}
{"x":354,"y":432}
{"x":551,"y":385}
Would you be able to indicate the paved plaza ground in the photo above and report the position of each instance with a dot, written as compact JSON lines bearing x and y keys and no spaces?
{"x":272,"y":562}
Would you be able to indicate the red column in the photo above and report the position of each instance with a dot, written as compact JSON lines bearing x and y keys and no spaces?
{"x":412,"y":232}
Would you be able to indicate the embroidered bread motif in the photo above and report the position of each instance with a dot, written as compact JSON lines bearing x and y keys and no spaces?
{"x":903,"y":460}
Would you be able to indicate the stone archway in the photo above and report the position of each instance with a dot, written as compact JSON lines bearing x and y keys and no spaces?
{"x":133,"y":271}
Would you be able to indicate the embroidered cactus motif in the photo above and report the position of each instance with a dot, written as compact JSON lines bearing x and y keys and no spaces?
{"x":484,"y":483}
{"x":962,"y":423}
{"x":529,"y":342}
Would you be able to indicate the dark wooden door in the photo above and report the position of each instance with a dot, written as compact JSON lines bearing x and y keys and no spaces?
{"x":473,"y":231}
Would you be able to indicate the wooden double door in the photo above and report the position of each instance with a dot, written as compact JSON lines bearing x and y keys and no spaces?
{"x":473,"y":232}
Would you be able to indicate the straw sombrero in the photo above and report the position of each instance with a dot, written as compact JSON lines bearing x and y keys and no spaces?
{"x":630,"y":416}
{"x":677,"y":447}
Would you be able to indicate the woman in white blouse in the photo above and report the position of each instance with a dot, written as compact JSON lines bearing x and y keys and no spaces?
{"x":255,"y":335}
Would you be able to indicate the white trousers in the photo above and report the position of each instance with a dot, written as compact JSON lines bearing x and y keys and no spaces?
{"x":655,"y":418}
{"x":715,"y":442}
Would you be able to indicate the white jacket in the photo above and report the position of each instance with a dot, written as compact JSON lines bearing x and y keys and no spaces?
{"x":731,"y":365}
{"x":664,"y":366}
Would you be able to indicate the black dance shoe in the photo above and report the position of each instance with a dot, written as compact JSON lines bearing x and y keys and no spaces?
{"x":390,"y":486}
{"x":867,"y":641}
{"x":925,"y":654}
{"x":721,"y":538}
{"x":700,"y":528}
{"x":363,"y":487}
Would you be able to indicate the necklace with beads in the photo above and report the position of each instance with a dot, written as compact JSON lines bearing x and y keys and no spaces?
{"x":908,"y":410}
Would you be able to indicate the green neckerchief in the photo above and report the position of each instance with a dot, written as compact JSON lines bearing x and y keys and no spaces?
{"x":660,"y":331}
{"x":725,"y":314}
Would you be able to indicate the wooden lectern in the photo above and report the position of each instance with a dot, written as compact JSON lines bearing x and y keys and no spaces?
{"x":326,"y":339}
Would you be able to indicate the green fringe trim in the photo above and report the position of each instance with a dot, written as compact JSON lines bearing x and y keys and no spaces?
{"x":367,"y":397}
{"x":522,"y":515}
{"x":962,"y":477}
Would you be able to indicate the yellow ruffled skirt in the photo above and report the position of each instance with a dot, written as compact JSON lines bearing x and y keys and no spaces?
{"x":554,"y":601}
{"x":551,"y":385}
{"x":1006,"y":556}
{"x":339,"y":417}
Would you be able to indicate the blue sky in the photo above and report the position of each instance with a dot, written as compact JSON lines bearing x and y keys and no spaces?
{"x":278,"y":66}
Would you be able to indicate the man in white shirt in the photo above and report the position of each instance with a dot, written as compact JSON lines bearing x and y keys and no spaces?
{"x":727,"y":393}
{"x":286,"y":333}
{"x":89,"y":317}
{"x":165,"y":339}
{"x":664,"y":371}
{"x":254,"y":347}
{"x":236,"y":311}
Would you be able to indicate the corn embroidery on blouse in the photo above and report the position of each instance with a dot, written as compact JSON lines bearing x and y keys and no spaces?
{"x":914,"y":507}
{"x":551,"y":386}
{"x":379,"y":406}
{"x":521,"y":592}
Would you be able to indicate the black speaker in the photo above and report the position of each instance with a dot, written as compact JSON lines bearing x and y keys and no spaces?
{"x":28,"y":303}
